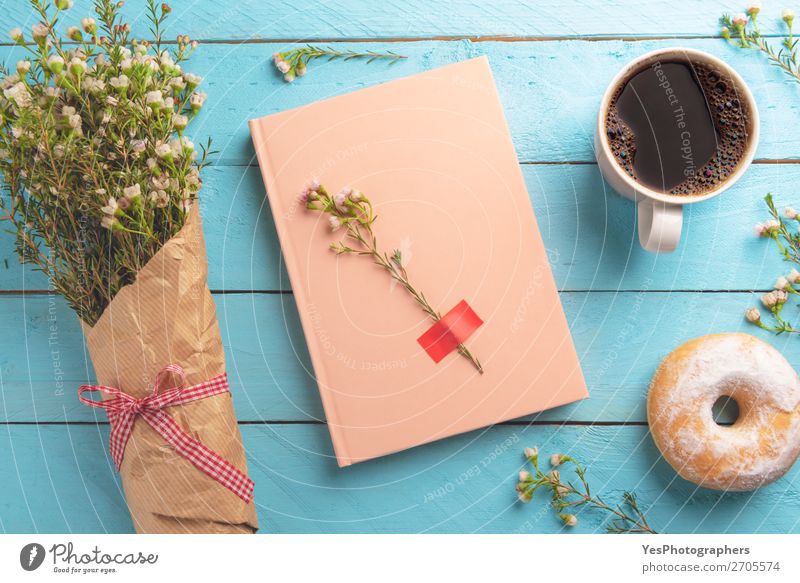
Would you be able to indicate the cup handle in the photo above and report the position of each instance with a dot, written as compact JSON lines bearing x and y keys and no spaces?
{"x":659,"y":225}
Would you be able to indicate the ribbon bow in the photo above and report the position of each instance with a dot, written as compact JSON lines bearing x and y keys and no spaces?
{"x":123,"y":409}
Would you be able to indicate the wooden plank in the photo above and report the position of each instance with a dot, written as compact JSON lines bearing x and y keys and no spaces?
{"x":59,"y":479}
{"x":550,"y":90}
{"x":337,"y":19}
{"x":589,"y":230}
{"x":620,"y":338}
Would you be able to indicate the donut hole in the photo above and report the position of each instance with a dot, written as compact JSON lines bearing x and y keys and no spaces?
{"x":725,"y":410}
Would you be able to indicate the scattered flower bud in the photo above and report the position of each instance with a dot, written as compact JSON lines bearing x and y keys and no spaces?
{"x":524,"y":476}
{"x":754,"y":8}
{"x":111,"y":209}
{"x":569,"y":519}
{"x":780,"y":297}
{"x":180,"y":121}
{"x":789,"y":213}
{"x":771,"y":226}
{"x":740,"y":21}
{"x":192,"y":80}
{"x":781,"y":283}
{"x":177,"y":84}
{"x":555,"y":476}
{"x":300,"y":69}
{"x":159,"y":198}
{"x":64,"y":4}
{"x":155,"y":99}
{"x":788,"y":16}
{"x":314,"y":185}
{"x":726,"y":34}
{"x":769,"y":299}
{"x":16,"y":35}
{"x":289,"y":77}
{"x":793,"y":276}
{"x":525,"y":496}
{"x":18,"y":93}
{"x":132,"y":192}
{"x":187,"y":145}
{"x":39,"y":31}
{"x":753,"y":315}
{"x":120,"y":83}
{"x":335,"y":223}
{"x":77,"y":66}
{"x":164,"y":151}
{"x":555,"y":459}
{"x":23,"y":67}
{"x":89,"y":25}
{"x":531,"y":452}
{"x":74,"y":33}
{"x":197,"y":100}
{"x":55,"y":63}
{"x":339,"y":200}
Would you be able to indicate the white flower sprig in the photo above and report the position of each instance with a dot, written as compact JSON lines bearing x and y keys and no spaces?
{"x":294,"y":63}
{"x":783,"y":229}
{"x":352,"y":211}
{"x":741,"y":30}
{"x":91,"y":135}
{"x":628,"y":517}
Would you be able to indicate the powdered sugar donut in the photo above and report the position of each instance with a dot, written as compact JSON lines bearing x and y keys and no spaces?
{"x":760,"y":446}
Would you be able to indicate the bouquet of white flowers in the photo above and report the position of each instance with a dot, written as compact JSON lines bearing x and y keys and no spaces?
{"x":92,"y":135}
{"x":100,"y":189}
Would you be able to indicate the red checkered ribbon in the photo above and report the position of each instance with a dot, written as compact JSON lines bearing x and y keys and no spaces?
{"x":123,"y":409}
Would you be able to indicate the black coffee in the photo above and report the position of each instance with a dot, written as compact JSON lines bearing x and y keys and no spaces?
{"x":678,"y":127}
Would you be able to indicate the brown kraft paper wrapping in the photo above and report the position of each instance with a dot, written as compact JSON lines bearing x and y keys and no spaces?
{"x":168,"y":316}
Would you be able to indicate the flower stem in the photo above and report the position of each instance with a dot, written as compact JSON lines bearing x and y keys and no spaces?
{"x":357,"y":216}
{"x":748,"y":36}
{"x":632,"y":521}
{"x":293,"y":63}
{"x":398,"y":273}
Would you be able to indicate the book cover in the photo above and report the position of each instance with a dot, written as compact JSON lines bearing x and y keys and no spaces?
{"x":434,"y":155}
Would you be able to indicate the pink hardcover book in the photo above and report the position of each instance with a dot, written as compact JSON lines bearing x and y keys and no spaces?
{"x":434,"y":155}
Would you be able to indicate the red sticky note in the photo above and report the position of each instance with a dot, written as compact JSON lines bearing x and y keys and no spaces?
{"x":453,"y":329}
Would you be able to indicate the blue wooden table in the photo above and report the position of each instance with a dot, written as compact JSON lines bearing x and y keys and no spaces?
{"x":552,"y":60}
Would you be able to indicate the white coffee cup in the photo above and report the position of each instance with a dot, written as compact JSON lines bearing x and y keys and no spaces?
{"x":660,"y":214}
